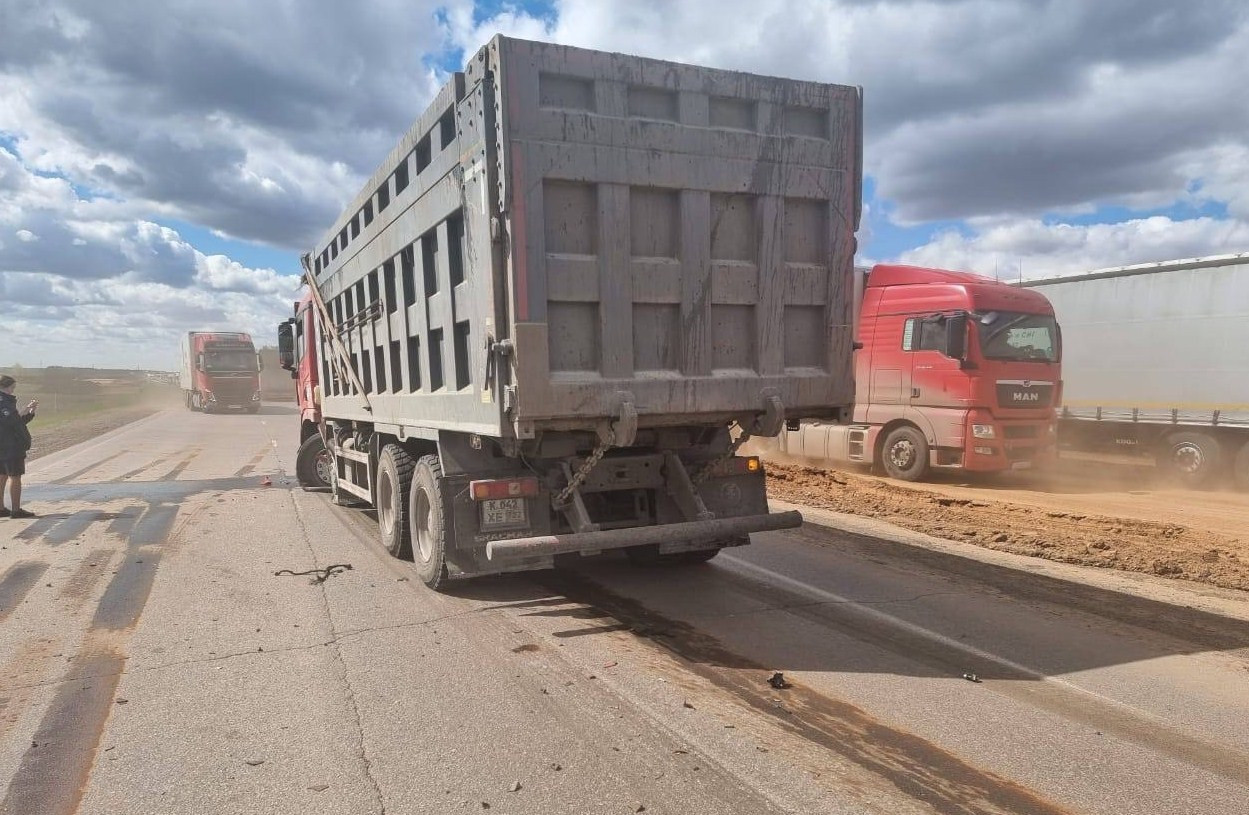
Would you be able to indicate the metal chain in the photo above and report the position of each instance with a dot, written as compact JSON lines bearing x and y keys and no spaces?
{"x":579,"y":477}
{"x":707,"y":471}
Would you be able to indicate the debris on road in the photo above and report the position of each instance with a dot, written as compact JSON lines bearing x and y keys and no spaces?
{"x":319,"y":575}
{"x":319,"y":787}
{"x":688,"y":705}
{"x":970,"y":677}
{"x":253,"y":762}
{"x":515,"y":787}
{"x":122,"y":701}
{"x":777,"y":680}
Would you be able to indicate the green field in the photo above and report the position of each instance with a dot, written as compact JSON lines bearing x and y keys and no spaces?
{"x":67,"y":394}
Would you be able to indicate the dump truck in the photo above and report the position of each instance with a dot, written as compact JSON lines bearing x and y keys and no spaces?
{"x":220,"y":372}
{"x":954,"y":371}
{"x":580,"y":282}
{"x":1154,"y":366}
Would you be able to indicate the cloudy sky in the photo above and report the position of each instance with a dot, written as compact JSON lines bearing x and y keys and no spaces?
{"x":163,"y":164}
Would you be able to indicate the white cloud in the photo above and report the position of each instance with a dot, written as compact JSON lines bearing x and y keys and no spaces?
{"x":1035,"y":249}
{"x":26,"y":236}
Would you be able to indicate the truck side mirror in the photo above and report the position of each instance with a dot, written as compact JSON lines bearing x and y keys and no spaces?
{"x":286,"y":345}
{"x":956,"y":336}
{"x":199,"y":362}
{"x":260,"y":363}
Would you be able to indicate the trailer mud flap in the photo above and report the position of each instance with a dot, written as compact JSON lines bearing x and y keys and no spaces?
{"x":543,"y":545}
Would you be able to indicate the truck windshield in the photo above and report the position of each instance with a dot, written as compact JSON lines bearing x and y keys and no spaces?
{"x":230,"y":361}
{"x":1015,"y":336}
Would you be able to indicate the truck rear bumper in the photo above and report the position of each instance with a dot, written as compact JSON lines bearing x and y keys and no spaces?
{"x":546,"y":545}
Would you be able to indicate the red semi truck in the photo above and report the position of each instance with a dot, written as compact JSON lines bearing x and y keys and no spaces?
{"x":297,"y":353}
{"x":220,"y":372}
{"x":952,"y":370}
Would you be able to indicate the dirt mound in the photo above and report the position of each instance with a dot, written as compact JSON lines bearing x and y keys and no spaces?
{"x":1165,"y":549}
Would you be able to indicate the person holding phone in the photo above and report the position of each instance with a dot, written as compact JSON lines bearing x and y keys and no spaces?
{"x":14,"y":444}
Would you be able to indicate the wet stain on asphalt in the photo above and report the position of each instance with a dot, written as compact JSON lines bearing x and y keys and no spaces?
{"x":127,"y":592}
{"x":914,"y":765}
{"x":82,"y":582}
{"x":65,"y":479}
{"x":73,"y":526}
{"x":16,"y":582}
{"x":53,"y":773}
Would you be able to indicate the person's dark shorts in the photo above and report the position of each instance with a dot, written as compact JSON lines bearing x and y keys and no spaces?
{"x":13,"y":466}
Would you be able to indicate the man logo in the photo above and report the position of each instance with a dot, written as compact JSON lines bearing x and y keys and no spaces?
{"x":1025,"y":397}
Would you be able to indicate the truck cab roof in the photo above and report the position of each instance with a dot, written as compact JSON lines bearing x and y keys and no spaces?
{"x":979,"y":293}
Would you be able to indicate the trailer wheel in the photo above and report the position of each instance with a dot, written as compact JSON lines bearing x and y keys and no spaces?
{"x":394,"y":481}
{"x":429,"y":528}
{"x":904,"y":455}
{"x":1192,"y":458}
{"x":1240,"y":467}
{"x":313,"y":463}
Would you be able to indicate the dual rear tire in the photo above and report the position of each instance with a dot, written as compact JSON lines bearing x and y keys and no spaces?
{"x":410,"y":512}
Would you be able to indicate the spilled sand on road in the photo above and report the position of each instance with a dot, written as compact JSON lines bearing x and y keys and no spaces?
{"x":1131,"y":544}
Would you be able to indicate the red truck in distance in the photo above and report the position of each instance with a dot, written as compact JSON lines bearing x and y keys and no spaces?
{"x":952,"y":371}
{"x":297,"y":353}
{"x":220,"y":372}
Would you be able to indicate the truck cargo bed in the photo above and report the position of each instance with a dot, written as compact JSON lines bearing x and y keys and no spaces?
{"x":566,"y":235}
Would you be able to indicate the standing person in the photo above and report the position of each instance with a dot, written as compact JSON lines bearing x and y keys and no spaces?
{"x":14,"y":444}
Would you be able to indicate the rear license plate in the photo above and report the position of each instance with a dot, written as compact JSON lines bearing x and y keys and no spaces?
{"x":504,"y":513}
{"x":1021,"y":465}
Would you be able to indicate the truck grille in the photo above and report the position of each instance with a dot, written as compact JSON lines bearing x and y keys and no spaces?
{"x":1014,"y":394}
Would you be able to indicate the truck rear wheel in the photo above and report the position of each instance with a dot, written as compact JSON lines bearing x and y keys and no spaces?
{"x":429,"y":528}
{"x":394,"y":482}
{"x":313,"y":463}
{"x":1191,"y":458}
{"x":904,"y":455}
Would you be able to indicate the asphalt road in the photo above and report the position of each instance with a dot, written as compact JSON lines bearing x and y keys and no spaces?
{"x":151,"y":661}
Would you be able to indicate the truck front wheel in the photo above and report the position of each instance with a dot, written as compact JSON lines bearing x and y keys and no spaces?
{"x":1192,"y":458}
{"x":313,"y":463}
{"x":429,"y":528}
{"x":394,"y":482}
{"x":904,"y":455}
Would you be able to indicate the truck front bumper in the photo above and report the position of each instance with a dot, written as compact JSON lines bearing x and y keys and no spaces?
{"x":685,"y":532}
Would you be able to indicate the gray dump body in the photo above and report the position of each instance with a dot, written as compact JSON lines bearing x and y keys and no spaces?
{"x":566,"y":231}
{"x":1162,"y":343}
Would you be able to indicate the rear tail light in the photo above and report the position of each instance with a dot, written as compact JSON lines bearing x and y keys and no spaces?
{"x":738,"y":465}
{"x":503,"y":488}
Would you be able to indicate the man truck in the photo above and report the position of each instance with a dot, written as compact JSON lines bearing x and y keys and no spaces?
{"x":220,"y":372}
{"x":1155,"y":365}
{"x":578,"y":284}
{"x":953,"y":371}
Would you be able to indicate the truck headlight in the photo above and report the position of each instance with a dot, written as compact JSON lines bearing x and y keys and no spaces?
{"x":983,"y":431}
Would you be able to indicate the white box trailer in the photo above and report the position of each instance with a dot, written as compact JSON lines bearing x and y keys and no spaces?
{"x":1154,"y":362}
{"x":575,"y":274}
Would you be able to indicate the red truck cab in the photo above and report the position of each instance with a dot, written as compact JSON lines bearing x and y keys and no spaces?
{"x":952,"y":371}
{"x":297,"y":353}
{"x":220,"y":372}
{"x":955,"y":370}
